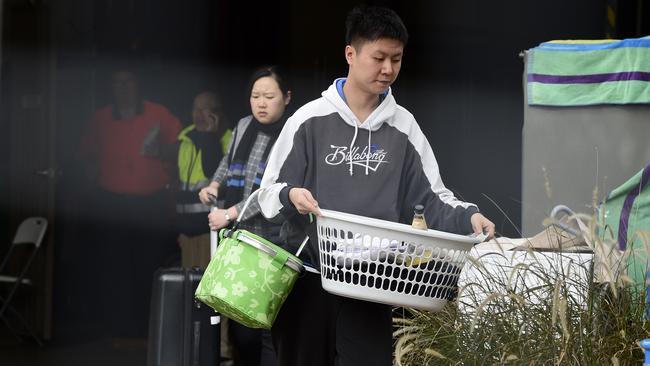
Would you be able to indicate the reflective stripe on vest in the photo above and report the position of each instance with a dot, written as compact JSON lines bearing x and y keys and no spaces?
{"x":188,"y":208}
{"x":194,"y":187}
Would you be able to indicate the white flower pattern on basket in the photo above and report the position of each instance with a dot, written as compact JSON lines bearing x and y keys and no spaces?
{"x":386,"y":262}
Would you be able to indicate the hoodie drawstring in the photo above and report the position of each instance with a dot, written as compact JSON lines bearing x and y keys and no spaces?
{"x":368,"y":151}
{"x":369,"y":142}
{"x":354,"y":139}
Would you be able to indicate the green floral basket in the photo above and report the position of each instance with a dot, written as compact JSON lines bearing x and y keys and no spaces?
{"x":248,"y":278}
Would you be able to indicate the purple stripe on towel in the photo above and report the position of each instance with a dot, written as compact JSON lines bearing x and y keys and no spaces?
{"x":589,"y":79}
{"x":627,"y":208}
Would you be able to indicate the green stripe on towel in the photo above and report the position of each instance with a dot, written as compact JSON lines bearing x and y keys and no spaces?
{"x":589,"y":62}
{"x":620,"y":92}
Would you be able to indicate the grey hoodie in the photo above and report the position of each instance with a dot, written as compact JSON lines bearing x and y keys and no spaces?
{"x":380,"y":168}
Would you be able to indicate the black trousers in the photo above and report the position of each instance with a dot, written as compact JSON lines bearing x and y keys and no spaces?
{"x":317,"y":328}
{"x":253,"y":346}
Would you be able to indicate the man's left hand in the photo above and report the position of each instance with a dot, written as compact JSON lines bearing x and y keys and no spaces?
{"x":481,"y":225}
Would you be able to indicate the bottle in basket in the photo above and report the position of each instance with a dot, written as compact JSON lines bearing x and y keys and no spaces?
{"x":418,"y":218}
{"x":420,"y":223}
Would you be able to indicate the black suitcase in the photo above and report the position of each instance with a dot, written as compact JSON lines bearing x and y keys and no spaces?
{"x":182,"y":330}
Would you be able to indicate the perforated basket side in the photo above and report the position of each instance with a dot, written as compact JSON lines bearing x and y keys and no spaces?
{"x":402,"y":268}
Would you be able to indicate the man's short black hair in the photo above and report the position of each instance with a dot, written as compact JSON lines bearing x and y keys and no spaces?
{"x":369,"y":23}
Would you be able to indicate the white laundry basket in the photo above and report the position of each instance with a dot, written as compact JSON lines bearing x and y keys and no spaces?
{"x":390,"y":263}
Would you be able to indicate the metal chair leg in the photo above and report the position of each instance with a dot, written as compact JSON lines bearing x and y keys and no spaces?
{"x":22,"y":321}
{"x":12,"y":330}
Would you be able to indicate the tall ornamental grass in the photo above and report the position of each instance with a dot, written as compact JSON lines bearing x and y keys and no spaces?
{"x":537,"y":313}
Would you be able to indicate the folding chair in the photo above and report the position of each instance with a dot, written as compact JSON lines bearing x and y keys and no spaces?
{"x":30,"y":232}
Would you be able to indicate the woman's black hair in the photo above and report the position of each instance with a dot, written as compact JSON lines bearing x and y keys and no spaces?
{"x":274,"y":72}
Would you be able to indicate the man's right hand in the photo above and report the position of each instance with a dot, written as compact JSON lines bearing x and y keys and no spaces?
{"x":304,"y":201}
{"x":205,"y":193}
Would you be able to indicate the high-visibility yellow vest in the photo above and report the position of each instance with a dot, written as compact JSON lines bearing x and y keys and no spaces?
{"x":190,"y":168}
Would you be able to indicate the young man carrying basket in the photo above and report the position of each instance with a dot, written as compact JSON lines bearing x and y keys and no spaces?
{"x":353,"y":150}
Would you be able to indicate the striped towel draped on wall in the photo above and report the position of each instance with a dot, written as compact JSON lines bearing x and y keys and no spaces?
{"x":589,"y":72}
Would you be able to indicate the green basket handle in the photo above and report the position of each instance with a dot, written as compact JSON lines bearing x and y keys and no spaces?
{"x":279,"y":258}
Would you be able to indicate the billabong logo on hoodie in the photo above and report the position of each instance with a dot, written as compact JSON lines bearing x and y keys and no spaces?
{"x":371,"y":156}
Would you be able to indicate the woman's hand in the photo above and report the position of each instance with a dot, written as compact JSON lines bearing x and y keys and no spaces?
{"x":304,"y":201}
{"x":481,"y":225}
{"x":217,"y":218}
{"x":206,"y":193}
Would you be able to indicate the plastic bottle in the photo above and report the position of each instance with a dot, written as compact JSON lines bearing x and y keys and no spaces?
{"x":421,"y":224}
{"x":418,"y":218}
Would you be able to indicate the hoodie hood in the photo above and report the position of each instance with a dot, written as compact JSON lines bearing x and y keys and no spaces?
{"x":383,"y":113}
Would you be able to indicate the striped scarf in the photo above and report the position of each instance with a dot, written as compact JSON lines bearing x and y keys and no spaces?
{"x":239,"y":155}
